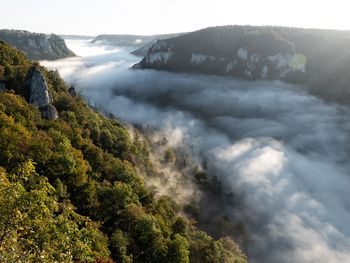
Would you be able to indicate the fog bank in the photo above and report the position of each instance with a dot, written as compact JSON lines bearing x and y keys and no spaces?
{"x":282,"y":152}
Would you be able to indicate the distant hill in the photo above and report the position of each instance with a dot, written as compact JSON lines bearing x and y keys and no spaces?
{"x":77,"y":37}
{"x":141,"y":43}
{"x":319,"y":59}
{"x":143,"y":50}
{"x":37,"y":46}
{"x":122,"y":40}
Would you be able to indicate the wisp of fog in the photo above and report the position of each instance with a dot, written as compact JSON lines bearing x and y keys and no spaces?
{"x":282,"y":151}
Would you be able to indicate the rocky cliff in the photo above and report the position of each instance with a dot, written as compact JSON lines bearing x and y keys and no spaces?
{"x":37,"y":46}
{"x":38,"y":90}
{"x":318,"y":59}
{"x":38,"y":93}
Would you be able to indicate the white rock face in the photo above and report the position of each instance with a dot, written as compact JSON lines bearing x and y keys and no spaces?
{"x":284,"y":63}
{"x":287,"y":63}
{"x":264,"y":71}
{"x":230,"y":66}
{"x":242,"y":53}
{"x":159,"y":53}
{"x":39,"y":93}
{"x":44,"y":43}
{"x":254,"y":58}
{"x":32,"y":43}
{"x":249,"y":61}
{"x":199,"y":58}
{"x":280,"y":60}
{"x":251,"y":64}
{"x":159,"y":57}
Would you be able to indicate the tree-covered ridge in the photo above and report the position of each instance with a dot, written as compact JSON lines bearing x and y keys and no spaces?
{"x":37,"y":46}
{"x":223,"y":41}
{"x":70,"y":188}
{"x":316,"y":58}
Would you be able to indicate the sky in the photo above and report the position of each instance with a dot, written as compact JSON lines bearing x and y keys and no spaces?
{"x":93,"y":17}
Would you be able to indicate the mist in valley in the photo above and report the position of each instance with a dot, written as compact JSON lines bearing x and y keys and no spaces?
{"x":282,"y":152}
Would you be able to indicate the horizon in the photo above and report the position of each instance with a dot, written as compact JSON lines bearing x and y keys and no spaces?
{"x":128,"y":34}
{"x":123,"y":17}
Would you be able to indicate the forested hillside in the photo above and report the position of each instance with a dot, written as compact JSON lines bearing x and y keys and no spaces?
{"x":71,"y":188}
{"x":316,"y":58}
{"x":37,"y":46}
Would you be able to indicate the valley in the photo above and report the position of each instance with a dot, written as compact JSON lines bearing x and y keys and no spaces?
{"x":270,"y":144}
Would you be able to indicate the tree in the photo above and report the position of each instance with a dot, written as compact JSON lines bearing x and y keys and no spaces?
{"x":34,"y":227}
{"x":119,"y":247}
{"x":179,"y":250}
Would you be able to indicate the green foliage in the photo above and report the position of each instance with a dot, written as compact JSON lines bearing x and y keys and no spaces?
{"x":35,"y":227}
{"x":70,"y":189}
{"x":206,"y":249}
{"x":14,"y":65}
{"x":180,"y":226}
{"x":119,"y":247}
{"x":179,"y":250}
{"x":150,"y":240}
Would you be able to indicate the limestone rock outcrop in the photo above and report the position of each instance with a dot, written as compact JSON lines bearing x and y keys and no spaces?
{"x":37,"y":86}
{"x":38,"y":93}
{"x":37,"y":46}
{"x":49,"y":112}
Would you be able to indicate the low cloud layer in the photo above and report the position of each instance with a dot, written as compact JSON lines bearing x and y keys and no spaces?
{"x":282,"y":151}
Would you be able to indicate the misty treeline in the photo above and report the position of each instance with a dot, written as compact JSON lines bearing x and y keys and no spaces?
{"x":74,"y":189}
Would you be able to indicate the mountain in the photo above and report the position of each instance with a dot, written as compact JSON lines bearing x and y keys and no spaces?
{"x":143,"y":50}
{"x":318,"y":59}
{"x":142,"y":43}
{"x":77,"y":37}
{"x":37,"y":46}
{"x":73,"y":185}
{"x":122,"y":40}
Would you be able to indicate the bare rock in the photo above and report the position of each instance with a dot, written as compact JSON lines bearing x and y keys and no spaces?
{"x":38,"y":93}
{"x":37,"y":86}
{"x":49,"y":112}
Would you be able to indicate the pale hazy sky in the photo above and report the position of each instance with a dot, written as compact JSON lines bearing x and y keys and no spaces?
{"x":92,"y":17}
